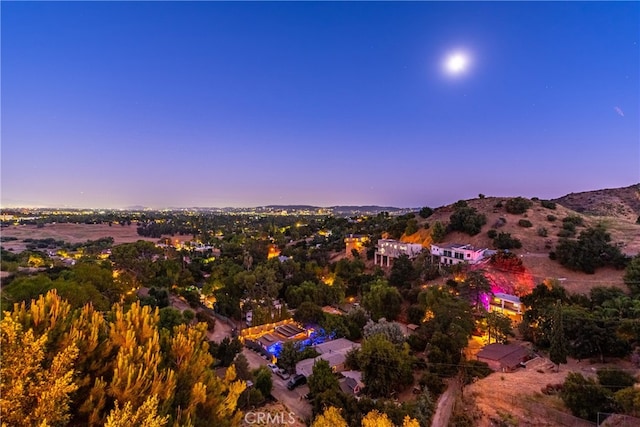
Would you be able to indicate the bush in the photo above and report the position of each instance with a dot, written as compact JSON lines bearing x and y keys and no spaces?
{"x":542,"y":232}
{"x":433,"y":383}
{"x":525,"y":223}
{"x":577,"y":221}
{"x":492,"y":233}
{"x":498,"y":205}
{"x":474,"y":369}
{"x":551,"y":218}
{"x":425,"y":212}
{"x":547,"y":204}
{"x":505,"y":241}
{"x":615,"y":379}
{"x":565,"y":233}
{"x":518,"y":205}
{"x":467,"y":220}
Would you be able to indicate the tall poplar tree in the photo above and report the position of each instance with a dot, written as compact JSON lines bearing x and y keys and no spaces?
{"x":558,"y":351}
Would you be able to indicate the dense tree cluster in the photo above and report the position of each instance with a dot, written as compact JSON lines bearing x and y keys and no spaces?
{"x":605,"y":324}
{"x":590,"y":251}
{"x":79,"y":366}
{"x":466,"y":219}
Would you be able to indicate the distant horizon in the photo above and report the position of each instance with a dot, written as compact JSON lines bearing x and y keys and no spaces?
{"x":246,"y":104}
{"x":452,"y":201}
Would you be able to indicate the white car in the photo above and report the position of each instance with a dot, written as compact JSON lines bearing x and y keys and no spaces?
{"x":273,"y":368}
{"x":283,"y":374}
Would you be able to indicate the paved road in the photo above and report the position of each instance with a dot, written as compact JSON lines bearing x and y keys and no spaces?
{"x":292,"y":399}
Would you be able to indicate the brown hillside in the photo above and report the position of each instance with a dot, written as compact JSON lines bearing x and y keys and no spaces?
{"x":535,"y":249}
{"x":621,"y":203}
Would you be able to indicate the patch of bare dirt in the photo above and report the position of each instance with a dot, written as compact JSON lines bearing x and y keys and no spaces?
{"x":74,"y":233}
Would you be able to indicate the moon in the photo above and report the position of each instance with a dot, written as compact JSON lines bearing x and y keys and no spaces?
{"x":456,"y":63}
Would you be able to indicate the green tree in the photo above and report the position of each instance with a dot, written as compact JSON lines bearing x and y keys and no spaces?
{"x":468,"y":220}
{"x":288,"y":356}
{"x":385,"y":367}
{"x":474,"y":286}
{"x":438,"y":232}
{"x":517,"y":205}
{"x":264,"y":382}
{"x":558,"y":350}
{"x":498,"y":327}
{"x":584,"y":397}
{"x":322,"y":379}
{"x":615,"y":378}
{"x":242,"y":367}
{"x":382,"y":300}
{"x":632,"y":275}
{"x":135,"y":262}
{"x":425,"y":212}
{"x":309,"y":313}
{"x":402,"y":273}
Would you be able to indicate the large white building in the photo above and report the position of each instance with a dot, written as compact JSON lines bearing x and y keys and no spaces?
{"x":455,"y":253}
{"x":388,"y":249}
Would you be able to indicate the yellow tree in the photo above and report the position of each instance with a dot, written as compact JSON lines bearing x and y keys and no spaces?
{"x":138,"y":370}
{"x":330,"y":418}
{"x":33,"y":392}
{"x":376,"y":419}
{"x":145,"y":416}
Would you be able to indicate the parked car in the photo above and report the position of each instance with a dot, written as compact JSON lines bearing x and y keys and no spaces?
{"x":283,"y":374}
{"x":296,"y":380}
{"x":273,"y":367}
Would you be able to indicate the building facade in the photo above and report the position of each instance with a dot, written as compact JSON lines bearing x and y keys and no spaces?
{"x":456,"y":253}
{"x":388,"y":249}
{"x":357,"y":242}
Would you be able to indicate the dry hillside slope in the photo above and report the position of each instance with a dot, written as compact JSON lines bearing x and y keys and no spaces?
{"x":623,"y":203}
{"x":535,"y":248}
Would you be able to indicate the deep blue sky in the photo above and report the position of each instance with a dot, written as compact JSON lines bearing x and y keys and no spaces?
{"x":111,"y":104}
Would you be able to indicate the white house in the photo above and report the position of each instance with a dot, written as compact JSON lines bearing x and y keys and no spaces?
{"x":456,"y":253}
{"x":388,"y":249}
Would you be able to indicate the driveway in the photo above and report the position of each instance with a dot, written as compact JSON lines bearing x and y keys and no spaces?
{"x":292,"y":399}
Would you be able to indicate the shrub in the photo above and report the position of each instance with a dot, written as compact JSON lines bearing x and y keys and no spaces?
{"x":518,"y":205}
{"x":475,"y":369}
{"x":542,"y":232}
{"x":551,"y":218}
{"x":498,"y":205}
{"x":433,"y":383}
{"x":505,"y":241}
{"x":425,"y":212}
{"x":482,"y":196}
{"x":525,"y":223}
{"x":467,"y":220}
{"x":492,"y":233}
{"x":547,"y":204}
{"x":615,"y":379}
{"x":564,"y":233}
{"x":576,"y":221}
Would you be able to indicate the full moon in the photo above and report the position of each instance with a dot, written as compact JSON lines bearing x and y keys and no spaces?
{"x":456,"y":63}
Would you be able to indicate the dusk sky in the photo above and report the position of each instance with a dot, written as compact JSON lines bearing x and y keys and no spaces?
{"x":408,"y":104}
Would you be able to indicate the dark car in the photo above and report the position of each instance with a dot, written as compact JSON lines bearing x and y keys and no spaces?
{"x":296,"y":380}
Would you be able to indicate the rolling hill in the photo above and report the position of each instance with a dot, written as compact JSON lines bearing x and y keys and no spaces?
{"x":615,"y":209}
